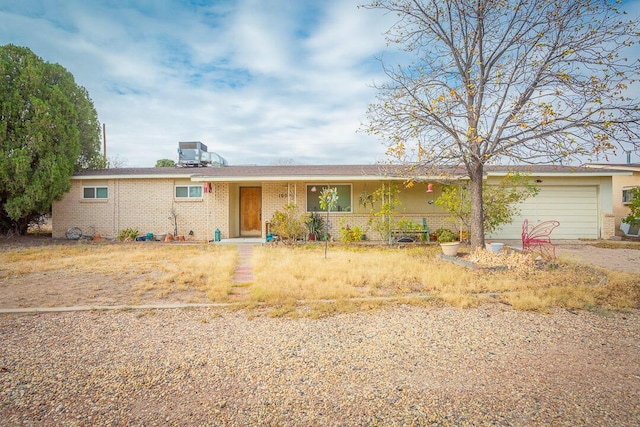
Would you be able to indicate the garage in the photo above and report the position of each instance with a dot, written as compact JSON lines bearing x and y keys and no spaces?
{"x":576,"y":207}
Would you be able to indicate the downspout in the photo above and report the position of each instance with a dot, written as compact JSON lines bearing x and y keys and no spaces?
{"x":208,"y":213}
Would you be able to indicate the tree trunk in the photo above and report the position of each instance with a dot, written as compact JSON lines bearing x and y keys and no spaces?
{"x":475,"y":170}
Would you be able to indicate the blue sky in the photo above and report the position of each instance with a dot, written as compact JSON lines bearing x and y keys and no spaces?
{"x":257,"y":81}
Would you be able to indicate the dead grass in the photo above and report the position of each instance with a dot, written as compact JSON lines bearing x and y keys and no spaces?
{"x":286,"y":275}
{"x":608,"y":244}
{"x":298,"y":281}
{"x":156,"y":268}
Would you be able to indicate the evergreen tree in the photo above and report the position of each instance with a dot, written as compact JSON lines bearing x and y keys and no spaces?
{"x":48,"y":130}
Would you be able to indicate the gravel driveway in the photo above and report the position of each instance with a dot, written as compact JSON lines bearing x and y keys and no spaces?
{"x":397,"y":366}
{"x":619,"y":259}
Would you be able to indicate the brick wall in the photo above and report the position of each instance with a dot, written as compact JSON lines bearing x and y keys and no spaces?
{"x":146,"y":205}
{"x":91,"y":216}
{"x":218,"y":209}
{"x":608,"y":226}
{"x":276,"y":195}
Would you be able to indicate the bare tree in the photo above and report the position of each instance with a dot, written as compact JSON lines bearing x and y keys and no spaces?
{"x":116,"y":162}
{"x":282,"y":161}
{"x":500,"y":80}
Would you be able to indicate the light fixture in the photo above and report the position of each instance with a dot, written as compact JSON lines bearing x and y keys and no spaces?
{"x":538,"y":181}
{"x":430,"y":188}
{"x":313,"y":189}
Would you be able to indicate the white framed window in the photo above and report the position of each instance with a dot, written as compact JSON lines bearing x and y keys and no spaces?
{"x":95,"y":192}
{"x":344,"y":197}
{"x":627,"y":195}
{"x":188,"y":191}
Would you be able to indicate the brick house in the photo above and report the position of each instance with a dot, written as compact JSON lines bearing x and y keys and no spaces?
{"x":240,"y":200}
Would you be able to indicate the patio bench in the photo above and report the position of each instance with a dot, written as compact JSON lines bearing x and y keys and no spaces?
{"x":408,"y":236}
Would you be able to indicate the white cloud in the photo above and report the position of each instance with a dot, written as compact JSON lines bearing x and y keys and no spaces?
{"x":256,"y":81}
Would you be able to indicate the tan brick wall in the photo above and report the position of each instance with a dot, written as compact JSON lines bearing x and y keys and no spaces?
{"x":434,"y":222}
{"x":91,"y":216}
{"x":276,"y":195}
{"x":145,"y":205}
{"x":219,"y":210}
{"x":608,"y":226}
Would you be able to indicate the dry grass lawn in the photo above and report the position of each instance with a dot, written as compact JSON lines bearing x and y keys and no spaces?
{"x":284,"y":276}
{"x":158,"y":270}
{"x":300,"y":281}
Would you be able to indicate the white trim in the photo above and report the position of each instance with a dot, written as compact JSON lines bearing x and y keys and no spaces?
{"x":328,"y":184}
{"x":297,"y":178}
{"x":95,"y":192}
{"x":624,"y":190}
{"x":188,"y":187}
{"x":271,"y":178}
{"x":561,"y":174}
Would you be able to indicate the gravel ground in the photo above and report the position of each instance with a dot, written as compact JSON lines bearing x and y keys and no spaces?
{"x":397,"y":366}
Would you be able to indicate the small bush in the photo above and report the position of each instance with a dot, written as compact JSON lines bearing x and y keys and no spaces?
{"x":128,"y":234}
{"x":287,"y":225}
{"x":446,"y":236}
{"x":350,"y":234}
{"x":439,"y":231}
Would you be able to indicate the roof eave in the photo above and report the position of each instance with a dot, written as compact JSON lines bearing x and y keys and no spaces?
{"x":129,"y":176}
{"x":565,"y":174}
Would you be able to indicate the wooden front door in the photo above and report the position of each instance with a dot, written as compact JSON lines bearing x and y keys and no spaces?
{"x":250,"y":211}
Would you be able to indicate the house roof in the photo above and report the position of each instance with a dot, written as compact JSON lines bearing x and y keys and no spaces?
{"x":331,"y":172}
{"x":632,"y":167}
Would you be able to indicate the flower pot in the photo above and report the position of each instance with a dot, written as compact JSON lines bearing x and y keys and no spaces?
{"x":450,"y":249}
{"x":495,"y":247}
{"x":312,"y":237}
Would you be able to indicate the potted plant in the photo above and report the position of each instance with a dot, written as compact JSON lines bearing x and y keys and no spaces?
{"x":448,"y":242}
{"x":315,"y":225}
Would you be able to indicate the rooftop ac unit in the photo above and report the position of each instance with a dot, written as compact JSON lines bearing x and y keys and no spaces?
{"x":194,"y":154}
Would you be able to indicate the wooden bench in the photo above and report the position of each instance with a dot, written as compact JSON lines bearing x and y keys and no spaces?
{"x":537,"y":239}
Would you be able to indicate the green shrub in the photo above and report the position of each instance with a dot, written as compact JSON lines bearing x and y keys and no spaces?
{"x":128,"y":233}
{"x":350,"y":234}
{"x":634,"y":208}
{"x":315,"y":224}
{"x":287,"y":225}
{"x":405,"y":225}
{"x":445,"y":236}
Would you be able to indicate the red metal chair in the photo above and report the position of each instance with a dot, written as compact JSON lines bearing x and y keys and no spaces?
{"x":538,"y":239}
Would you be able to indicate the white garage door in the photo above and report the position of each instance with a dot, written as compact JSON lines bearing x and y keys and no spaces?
{"x":575,"y":207}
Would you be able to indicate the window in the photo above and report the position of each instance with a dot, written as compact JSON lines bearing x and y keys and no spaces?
{"x":188,"y":191}
{"x":95,"y":192}
{"x":627,"y":195}
{"x":344,"y":197}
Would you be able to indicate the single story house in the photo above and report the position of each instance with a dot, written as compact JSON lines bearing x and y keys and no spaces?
{"x":621,"y":184}
{"x":239,"y":201}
